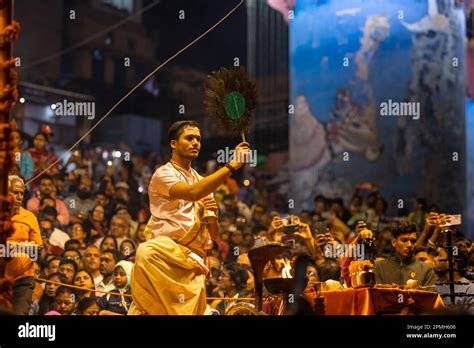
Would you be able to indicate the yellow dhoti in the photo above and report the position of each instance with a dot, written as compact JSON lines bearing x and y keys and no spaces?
{"x":166,"y":281}
{"x":169,"y":274}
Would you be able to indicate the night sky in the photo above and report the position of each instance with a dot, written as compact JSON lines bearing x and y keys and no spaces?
{"x":213,"y":51}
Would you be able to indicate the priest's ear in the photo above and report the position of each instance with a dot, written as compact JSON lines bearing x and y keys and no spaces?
{"x":173,"y":144}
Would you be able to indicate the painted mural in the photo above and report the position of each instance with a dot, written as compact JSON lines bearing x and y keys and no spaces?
{"x":378,"y":89}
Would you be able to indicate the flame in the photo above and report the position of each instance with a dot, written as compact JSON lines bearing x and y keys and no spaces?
{"x":285,"y":272}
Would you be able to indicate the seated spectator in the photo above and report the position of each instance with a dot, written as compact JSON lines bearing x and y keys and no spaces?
{"x":94,"y":226}
{"x":46,"y":302}
{"x":52,"y":266}
{"x":320,"y":205}
{"x":68,"y":268}
{"x":65,"y":301}
{"x":312,"y":275}
{"x":108,"y":260}
{"x":78,"y":233}
{"x":74,"y":255}
{"x":234,"y":283}
{"x":128,"y":248}
{"x":91,"y":261}
{"x":426,"y":255}
{"x":230,"y":204}
{"x":81,"y":202}
{"x":329,"y":269}
{"x":56,"y":237}
{"x":42,"y":157}
{"x":108,"y":243}
{"x":47,"y":189}
{"x":463,"y":288}
{"x":119,"y":229}
{"x":84,"y":279}
{"x":139,"y":236}
{"x":59,"y":185}
{"x":72,"y":244}
{"x":418,"y":215}
{"x":403,"y":266}
{"x":115,"y":304}
{"x":23,"y":158}
{"x":88,"y":306}
{"x":132,"y":223}
{"x":337,"y":206}
{"x":236,"y":246}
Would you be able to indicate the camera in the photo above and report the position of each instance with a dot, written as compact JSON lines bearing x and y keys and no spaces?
{"x":290,"y":225}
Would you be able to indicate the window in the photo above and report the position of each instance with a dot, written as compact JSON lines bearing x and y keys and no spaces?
{"x":126,"y":5}
{"x":119,"y":72}
{"x":97,"y":65}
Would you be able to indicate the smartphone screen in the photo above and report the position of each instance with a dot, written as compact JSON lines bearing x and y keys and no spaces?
{"x":321,"y":227}
{"x":454,"y":220}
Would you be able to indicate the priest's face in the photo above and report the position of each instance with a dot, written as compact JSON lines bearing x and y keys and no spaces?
{"x":188,"y":144}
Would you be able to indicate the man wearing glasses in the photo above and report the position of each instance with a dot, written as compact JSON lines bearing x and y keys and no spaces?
{"x":119,"y":228}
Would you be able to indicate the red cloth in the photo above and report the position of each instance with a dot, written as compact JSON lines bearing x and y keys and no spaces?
{"x":43,"y":159}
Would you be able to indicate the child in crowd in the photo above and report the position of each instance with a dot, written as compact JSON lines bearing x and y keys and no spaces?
{"x":65,"y":301}
{"x":88,"y":306}
{"x":47,"y":300}
{"x":116,"y":304}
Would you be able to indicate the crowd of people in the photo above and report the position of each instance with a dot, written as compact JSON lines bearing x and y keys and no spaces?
{"x":89,"y":219}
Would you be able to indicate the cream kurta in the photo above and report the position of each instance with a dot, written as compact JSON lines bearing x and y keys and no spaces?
{"x":171,"y":217}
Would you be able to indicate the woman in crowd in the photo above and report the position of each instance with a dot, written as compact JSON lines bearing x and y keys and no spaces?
{"x":42,"y":157}
{"x":78,"y":233}
{"x":95,"y":224}
{"x":128,"y":248}
{"x":46,"y":302}
{"x":23,"y":158}
{"x":109,"y":242}
{"x":84,"y":279}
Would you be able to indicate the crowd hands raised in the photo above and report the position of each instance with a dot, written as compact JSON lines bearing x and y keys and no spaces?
{"x":407,"y":251}
{"x":92,"y":217}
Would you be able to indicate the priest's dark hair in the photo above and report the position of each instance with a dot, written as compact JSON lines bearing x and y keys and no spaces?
{"x":177,"y":128}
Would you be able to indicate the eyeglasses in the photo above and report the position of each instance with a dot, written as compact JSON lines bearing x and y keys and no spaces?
{"x":72,"y":257}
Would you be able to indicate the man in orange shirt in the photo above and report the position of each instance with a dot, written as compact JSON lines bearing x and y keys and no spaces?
{"x":20,"y":268}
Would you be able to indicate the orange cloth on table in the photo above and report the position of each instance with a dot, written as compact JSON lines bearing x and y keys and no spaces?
{"x":369,"y":301}
{"x":25,"y":229}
